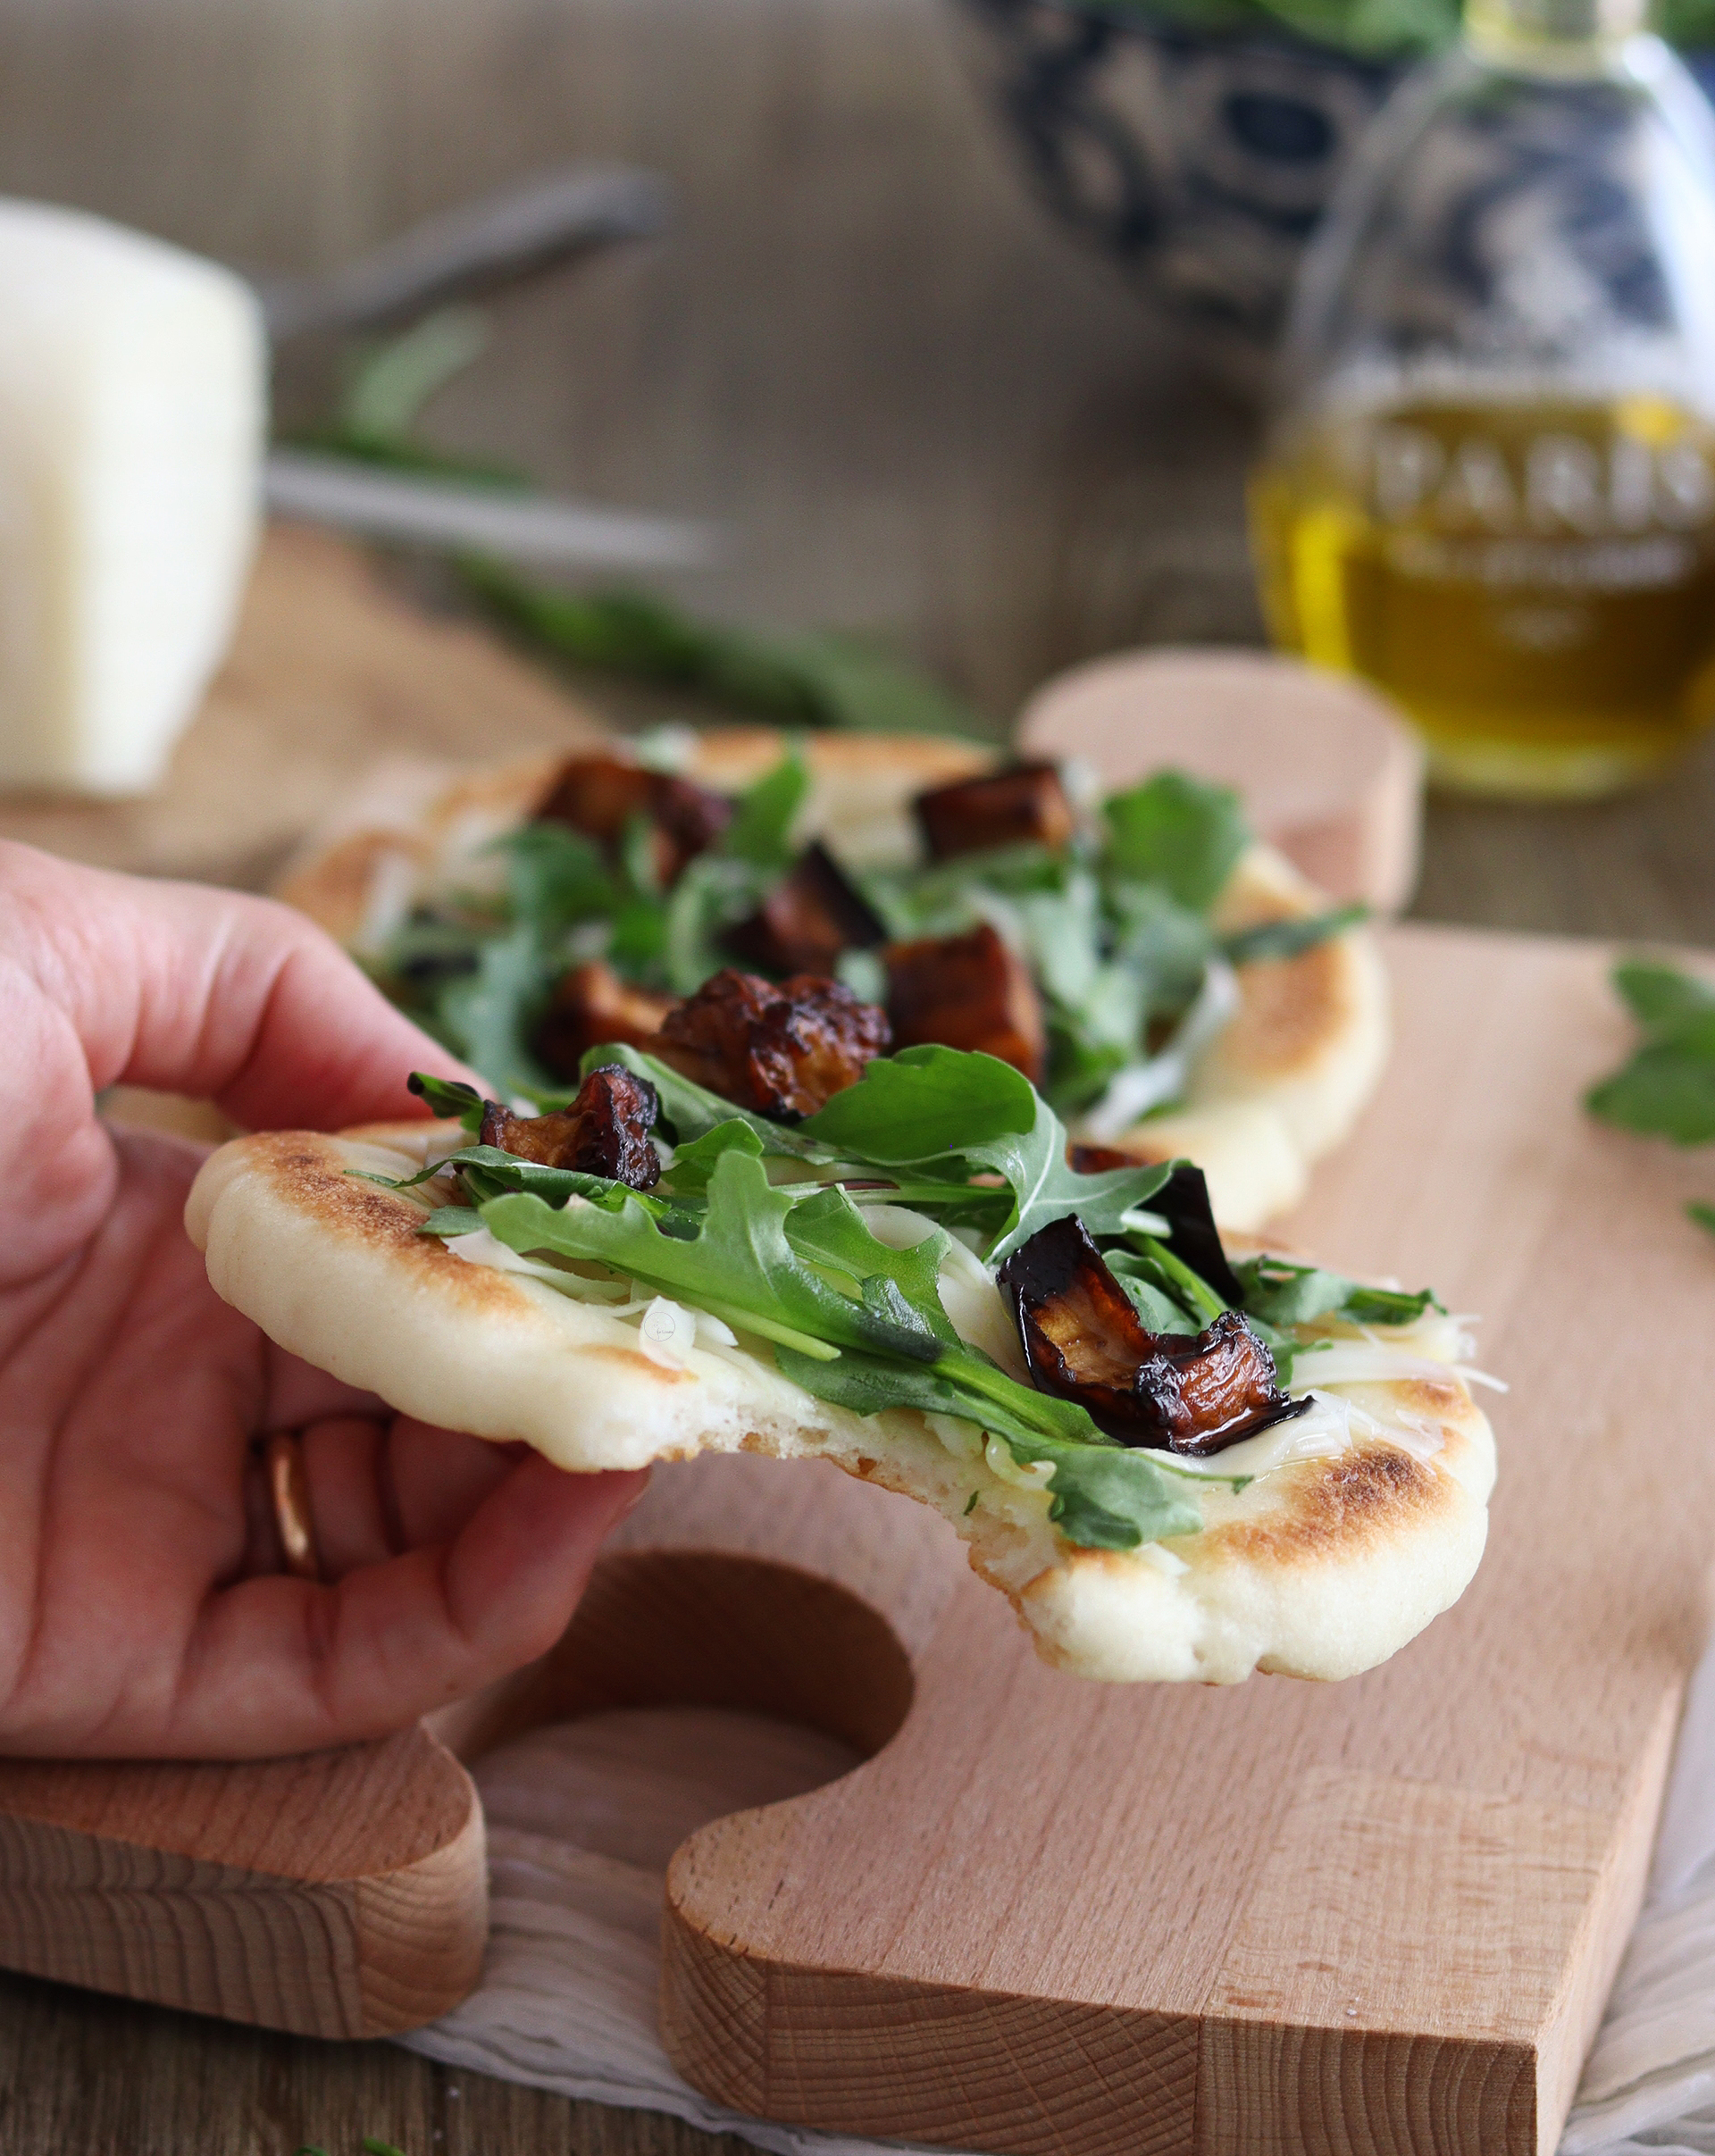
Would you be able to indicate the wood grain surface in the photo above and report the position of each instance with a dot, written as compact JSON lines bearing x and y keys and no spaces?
{"x":344,"y":1895}
{"x":1375,"y":1916}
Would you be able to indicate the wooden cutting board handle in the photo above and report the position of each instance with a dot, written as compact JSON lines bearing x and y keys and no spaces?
{"x":342,"y":1895}
{"x":1330,"y":773}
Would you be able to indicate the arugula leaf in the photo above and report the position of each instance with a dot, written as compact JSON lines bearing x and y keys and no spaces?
{"x":931,"y":1107}
{"x":854,"y":1320}
{"x":1290,"y":939}
{"x":1167,"y":943}
{"x":831,"y":1232}
{"x":1661,"y":997}
{"x":1282,"y":1293}
{"x":556,"y":877}
{"x":923,"y":1104}
{"x":693,"y":1163}
{"x":448,"y":1096}
{"x":1155,"y":1298}
{"x":949,"y":896}
{"x":760,"y":831}
{"x":1178,"y":833}
{"x":712,"y":895}
{"x":490,"y":1012}
{"x":1668,"y":1089}
{"x":1702,"y":1215}
{"x":448,"y":1220}
{"x":738,"y":1264}
{"x":1101,"y":1495}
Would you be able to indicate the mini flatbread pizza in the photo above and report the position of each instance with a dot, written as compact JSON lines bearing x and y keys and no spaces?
{"x":1176,"y":1462}
{"x":1170,"y":985}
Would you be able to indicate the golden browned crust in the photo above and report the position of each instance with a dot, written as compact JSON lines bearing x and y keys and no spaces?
{"x":1375,"y":1496}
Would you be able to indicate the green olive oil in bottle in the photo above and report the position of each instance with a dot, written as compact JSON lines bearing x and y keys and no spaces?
{"x":1490,"y":481}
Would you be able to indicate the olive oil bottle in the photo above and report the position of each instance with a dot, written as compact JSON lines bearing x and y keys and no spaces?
{"x":1490,"y":480}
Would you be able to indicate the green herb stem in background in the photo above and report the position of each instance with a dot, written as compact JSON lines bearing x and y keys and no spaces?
{"x":804,"y":680}
{"x":791,"y":680}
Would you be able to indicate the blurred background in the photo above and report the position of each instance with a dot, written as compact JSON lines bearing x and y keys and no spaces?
{"x":926,"y":415}
{"x":928,"y":410}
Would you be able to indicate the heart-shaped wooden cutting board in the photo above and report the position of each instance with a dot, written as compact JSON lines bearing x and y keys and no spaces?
{"x":1047,"y":1915}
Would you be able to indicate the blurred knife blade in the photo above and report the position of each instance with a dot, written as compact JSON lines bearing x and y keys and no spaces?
{"x":502,"y":239}
{"x":543,"y":530}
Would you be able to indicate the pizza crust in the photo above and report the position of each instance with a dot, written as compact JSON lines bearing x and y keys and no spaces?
{"x":1319,"y":1568}
{"x":1281,"y":1086}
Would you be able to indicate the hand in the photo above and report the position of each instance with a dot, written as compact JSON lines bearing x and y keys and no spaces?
{"x":141,"y":1610}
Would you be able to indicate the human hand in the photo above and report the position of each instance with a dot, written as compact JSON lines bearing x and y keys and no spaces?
{"x":142,"y":1609}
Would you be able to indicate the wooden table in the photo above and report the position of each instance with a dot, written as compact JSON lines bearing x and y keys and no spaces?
{"x":923,"y":414}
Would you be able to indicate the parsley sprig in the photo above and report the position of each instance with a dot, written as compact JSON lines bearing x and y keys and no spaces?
{"x":1667,"y":1088}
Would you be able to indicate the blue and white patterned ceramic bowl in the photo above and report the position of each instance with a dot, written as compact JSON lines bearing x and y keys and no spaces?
{"x":1198,"y":165}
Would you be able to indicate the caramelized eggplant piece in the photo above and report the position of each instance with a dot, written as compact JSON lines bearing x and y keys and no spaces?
{"x":1083,"y":1341}
{"x":600,"y":794}
{"x":1098,"y":1159}
{"x":967,"y":991}
{"x":778,"y":1051}
{"x":1025,"y":804}
{"x":591,"y":1007}
{"x":1182,"y":1201}
{"x":808,"y":919}
{"x":605,"y":1132}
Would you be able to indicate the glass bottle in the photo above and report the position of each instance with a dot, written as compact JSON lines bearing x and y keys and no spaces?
{"x":1490,"y":482}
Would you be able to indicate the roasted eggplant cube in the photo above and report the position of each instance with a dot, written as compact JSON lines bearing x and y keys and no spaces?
{"x":781,"y":1051}
{"x":809,"y":917}
{"x":600,"y":796}
{"x":605,"y":1132}
{"x":1026,"y":806}
{"x":591,"y":1007}
{"x":1083,"y":1341}
{"x":967,"y":991}
{"x":1100,"y":1159}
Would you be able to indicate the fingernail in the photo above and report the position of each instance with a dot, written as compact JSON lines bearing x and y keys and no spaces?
{"x":635,"y":1499}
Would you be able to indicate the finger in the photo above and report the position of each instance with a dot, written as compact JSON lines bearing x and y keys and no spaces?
{"x":352,"y":1521}
{"x":377,"y":1491}
{"x":281,"y":1665}
{"x":439,"y":1480}
{"x":295,"y":1393}
{"x":224,"y":997}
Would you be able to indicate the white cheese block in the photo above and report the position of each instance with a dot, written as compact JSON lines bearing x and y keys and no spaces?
{"x":133,"y":409}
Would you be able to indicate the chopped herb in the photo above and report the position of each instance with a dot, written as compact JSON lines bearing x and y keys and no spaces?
{"x":1290,"y":939}
{"x":1282,"y":1293}
{"x":1668,"y":1089}
{"x":971,"y":1506}
{"x":1178,"y":832}
{"x":448,"y":1096}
